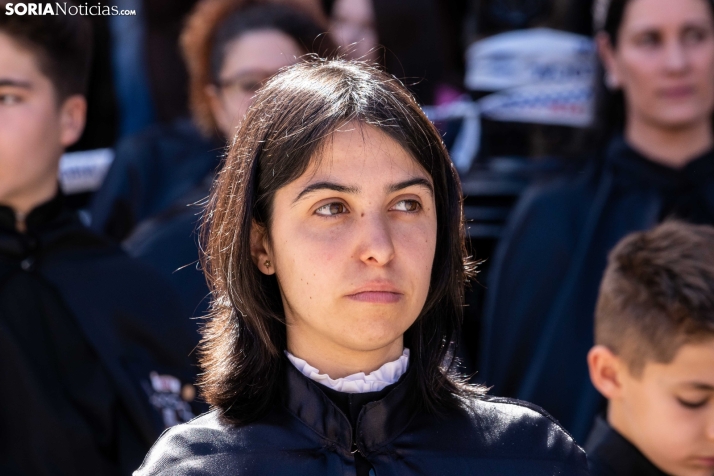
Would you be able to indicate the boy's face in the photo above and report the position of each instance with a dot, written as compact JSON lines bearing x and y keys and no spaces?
{"x":668,"y":412}
{"x":34,"y":128}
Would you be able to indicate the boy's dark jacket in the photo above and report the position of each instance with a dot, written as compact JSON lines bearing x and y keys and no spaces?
{"x":538,"y":319}
{"x":307,"y":434}
{"x":610,"y":454}
{"x":135,"y":341}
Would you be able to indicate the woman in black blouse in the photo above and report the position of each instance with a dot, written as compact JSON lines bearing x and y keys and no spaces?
{"x":335,"y":250}
{"x":653,"y":158}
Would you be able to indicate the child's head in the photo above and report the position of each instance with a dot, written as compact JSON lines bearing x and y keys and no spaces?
{"x":654,"y":353}
{"x":44,"y":63}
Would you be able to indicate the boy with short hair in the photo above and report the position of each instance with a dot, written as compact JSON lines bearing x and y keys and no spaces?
{"x":654,"y":355}
{"x":93,"y":348}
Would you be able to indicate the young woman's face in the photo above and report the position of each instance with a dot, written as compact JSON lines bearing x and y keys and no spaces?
{"x":352,"y":242}
{"x":664,"y":62}
{"x":249,"y":61}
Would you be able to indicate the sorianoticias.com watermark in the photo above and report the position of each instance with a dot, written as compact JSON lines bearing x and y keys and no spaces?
{"x":62,"y":8}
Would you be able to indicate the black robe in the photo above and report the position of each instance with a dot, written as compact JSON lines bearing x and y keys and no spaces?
{"x":308,"y":434}
{"x":94,"y":352}
{"x":610,"y":454}
{"x":538,"y":319}
{"x":150,"y":172}
{"x":169,"y":243}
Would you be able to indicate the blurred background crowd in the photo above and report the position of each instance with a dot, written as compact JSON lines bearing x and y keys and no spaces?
{"x":561,"y":151}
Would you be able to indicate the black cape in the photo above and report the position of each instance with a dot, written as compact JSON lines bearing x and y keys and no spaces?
{"x":120,"y":343}
{"x":150,"y":172}
{"x":610,"y":454}
{"x":169,"y":243}
{"x":307,"y":434}
{"x":538,"y":318}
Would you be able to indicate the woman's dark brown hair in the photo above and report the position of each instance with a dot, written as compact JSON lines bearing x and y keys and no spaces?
{"x":293,"y":115}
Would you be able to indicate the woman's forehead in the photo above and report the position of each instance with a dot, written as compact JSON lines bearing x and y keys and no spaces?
{"x":652,"y":14}
{"x":362,"y":153}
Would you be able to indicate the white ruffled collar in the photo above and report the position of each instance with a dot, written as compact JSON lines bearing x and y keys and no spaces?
{"x":384,"y":376}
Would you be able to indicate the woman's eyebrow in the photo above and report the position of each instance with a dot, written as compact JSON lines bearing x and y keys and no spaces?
{"x":408,"y":183}
{"x":4,"y":82}
{"x":326,"y":186}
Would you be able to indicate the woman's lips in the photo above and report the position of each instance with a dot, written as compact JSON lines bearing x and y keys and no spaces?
{"x":678,"y":92}
{"x":376,"y":297}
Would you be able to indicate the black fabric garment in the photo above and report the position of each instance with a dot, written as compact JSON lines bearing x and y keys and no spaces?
{"x":150,"y":172}
{"x":168,"y":242}
{"x":82,"y":328}
{"x":610,"y":454}
{"x":351,"y":405}
{"x":538,"y":318}
{"x":307,"y":434}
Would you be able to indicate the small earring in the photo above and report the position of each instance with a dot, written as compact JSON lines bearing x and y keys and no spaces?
{"x":267,"y":263}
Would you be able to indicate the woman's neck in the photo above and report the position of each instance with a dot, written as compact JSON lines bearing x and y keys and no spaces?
{"x":673,"y":147}
{"x":338,"y":361}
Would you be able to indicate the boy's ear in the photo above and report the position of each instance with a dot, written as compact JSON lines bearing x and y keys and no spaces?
{"x":605,"y":371}
{"x":260,"y":249}
{"x":73,"y":116}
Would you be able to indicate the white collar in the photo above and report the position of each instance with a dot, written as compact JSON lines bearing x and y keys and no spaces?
{"x":384,"y":376}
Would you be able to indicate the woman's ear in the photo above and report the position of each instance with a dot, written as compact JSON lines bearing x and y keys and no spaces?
{"x":606,"y":52}
{"x":605,"y":371}
{"x":260,"y":249}
{"x":72,"y":115}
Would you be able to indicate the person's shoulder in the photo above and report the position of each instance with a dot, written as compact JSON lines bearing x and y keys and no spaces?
{"x":522,"y":430}
{"x":551,"y":213}
{"x":568,"y":190}
{"x":203,"y":446}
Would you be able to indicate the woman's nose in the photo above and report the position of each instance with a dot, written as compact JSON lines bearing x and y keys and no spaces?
{"x":676,"y":60}
{"x":376,"y":245}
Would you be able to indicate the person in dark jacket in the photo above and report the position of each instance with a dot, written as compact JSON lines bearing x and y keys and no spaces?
{"x":336,"y":254}
{"x":154,"y":170}
{"x":231,"y":47}
{"x":93,"y":349}
{"x":659,"y":59}
{"x":654,"y":355}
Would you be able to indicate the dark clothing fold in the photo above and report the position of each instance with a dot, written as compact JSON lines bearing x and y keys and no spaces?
{"x":169,"y":243}
{"x":538,"y":318}
{"x":150,"y":172}
{"x":610,"y":454}
{"x":351,"y":405}
{"x":308,"y":434}
{"x":88,"y":337}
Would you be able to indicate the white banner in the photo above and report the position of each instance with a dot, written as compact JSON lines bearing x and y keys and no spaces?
{"x":530,"y":57}
{"x":558,"y":104}
{"x":84,"y":171}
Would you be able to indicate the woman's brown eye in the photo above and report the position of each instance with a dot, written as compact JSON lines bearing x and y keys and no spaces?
{"x":648,"y":39}
{"x":694,"y":35}
{"x":331,"y":209}
{"x":407,"y":206}
{"x":250,"y":86}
